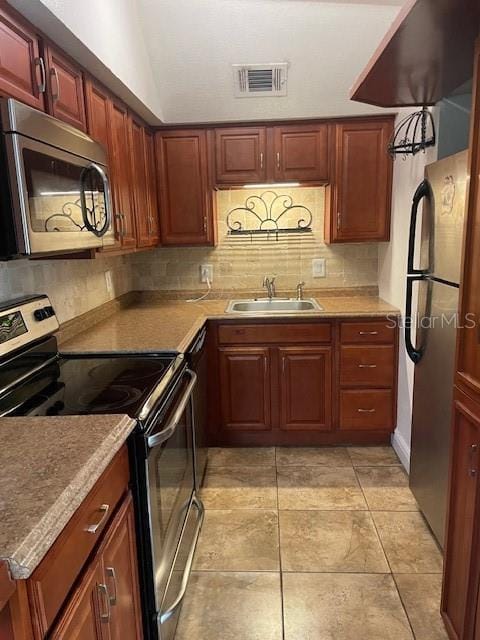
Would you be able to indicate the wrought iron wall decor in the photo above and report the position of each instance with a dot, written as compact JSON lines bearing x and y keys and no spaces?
{"x":266,"y":212}
{"x":414,"y":133}
{"x":74,"y":216}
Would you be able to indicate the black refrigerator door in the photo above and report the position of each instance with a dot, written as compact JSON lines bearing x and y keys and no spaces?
{"x":423,"y":192}
{"x":417,"y":321}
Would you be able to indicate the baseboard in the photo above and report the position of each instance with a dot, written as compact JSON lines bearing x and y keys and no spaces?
{"x":402,"y":450}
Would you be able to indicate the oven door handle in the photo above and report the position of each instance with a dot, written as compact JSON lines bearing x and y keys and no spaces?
{"x":166,"y":615}
{"x":157,"y":438}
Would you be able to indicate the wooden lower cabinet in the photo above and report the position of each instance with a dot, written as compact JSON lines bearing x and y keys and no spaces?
{"x":106,"y":602}
{"x":305,"y":388}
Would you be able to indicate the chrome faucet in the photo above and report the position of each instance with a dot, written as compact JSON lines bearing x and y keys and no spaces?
{"x":300,"y":286}
{"x":269,"y":285}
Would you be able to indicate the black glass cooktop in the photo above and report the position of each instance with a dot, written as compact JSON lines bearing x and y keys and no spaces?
{"x":78,"y":386}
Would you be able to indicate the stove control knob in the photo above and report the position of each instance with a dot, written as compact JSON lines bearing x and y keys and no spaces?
{"x":41,"y":314}
{"x":49,"y":311}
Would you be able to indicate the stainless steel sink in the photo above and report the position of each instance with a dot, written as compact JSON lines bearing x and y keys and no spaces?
{"x":276,"y":305}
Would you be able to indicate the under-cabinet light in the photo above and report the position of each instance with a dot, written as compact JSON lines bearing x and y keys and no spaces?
{"x":271,"y":185}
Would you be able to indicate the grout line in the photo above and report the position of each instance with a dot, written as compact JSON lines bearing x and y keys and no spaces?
{"x":282,"y":604}
{"x":404,"y":606}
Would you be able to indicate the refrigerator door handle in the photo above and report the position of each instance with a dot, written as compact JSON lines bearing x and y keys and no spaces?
{"x":414,"y":354}
{"x":423,"y":191}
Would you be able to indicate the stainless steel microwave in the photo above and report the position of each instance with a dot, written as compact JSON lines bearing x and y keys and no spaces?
{"x":55,"y":193}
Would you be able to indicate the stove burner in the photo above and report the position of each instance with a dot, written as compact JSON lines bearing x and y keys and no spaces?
{"x":114,"y":397}
{"x":127,"y":376}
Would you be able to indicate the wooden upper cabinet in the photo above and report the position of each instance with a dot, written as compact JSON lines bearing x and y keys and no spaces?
{"x":240,"y":155}
{"x":305,"y":388}
{"x":121,"y":171}
{"x":22,"y":72}
{"x":65,"y":94}
{"x":186,"y":197}
{"x":245,"y":388}
{"x":152,"y":196}
{"x":360,"y":196}
{"x":301,"y":153}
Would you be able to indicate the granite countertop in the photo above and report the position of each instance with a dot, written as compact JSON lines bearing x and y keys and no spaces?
{"x":47,"y":467}
{"x":152,"y":324}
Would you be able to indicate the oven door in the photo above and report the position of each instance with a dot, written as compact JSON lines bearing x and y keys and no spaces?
{"x":171,"y":483}
{"x":61,"y":201}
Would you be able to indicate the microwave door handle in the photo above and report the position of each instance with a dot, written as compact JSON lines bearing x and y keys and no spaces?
{"x":157,"y":438}
{"x":423,"y":191}
{"x":106,"y":189}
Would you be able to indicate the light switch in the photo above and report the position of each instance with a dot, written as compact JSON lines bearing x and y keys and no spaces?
{"x":319,"y":267}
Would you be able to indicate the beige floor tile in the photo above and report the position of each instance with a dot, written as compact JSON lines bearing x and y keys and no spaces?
{"x":240,"y":488}
{"x":344,"y":541}
{"x":373,"y":456}
{"x":328,"y":488}
{"x":326,"y":606}
{"x":238,"y":540}
{"x":386,"y":488}
{"x":231,"y":606}
{"x":308,"y":456}
{"x":421,"y":597}
{"x":241,"y":456}
{"x":408,"y":543}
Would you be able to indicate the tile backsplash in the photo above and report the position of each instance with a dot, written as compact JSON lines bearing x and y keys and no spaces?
{"x":239,"y":263}
{"x":74,"y":286}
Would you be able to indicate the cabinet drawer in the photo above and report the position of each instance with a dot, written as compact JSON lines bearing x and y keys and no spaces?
{"x":53,"y":579}
{"x":274,"y":333}
{"x":368,"y":366}
{"x":382,"y":332}
{"x":366,"y":409}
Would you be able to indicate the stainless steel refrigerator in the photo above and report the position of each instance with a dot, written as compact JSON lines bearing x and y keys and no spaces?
{"x":434,"y":270}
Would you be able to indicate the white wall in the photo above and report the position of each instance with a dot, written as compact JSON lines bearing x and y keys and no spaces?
{"x":106,"y":37}
{"x":392,"y":261}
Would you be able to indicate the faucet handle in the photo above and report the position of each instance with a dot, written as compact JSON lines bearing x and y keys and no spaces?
{"x":300,"y":286}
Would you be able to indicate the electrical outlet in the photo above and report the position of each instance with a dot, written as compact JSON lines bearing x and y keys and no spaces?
{"x":109,"y":282}
{"x":206,"y":273}
{"x":319,"y":267}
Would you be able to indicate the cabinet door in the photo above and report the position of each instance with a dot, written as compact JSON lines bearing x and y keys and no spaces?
{"x":121,"y":575}
{"x":458,"y":599}
{"x":121,"y":173}
{"x":301,"y":153}
{"x":21,"y":71}
{"x":240,"y":155}
{"x":65,"y":95}
{"x":152,"y":197}
{"x":305,"y":388}
{"x":186,"y":214}
{"x":245,"y":388}
{"x":86,"y":615}
{"x":468,"y":354}
{"x":361,"y":197}
{"x":139,"y":183}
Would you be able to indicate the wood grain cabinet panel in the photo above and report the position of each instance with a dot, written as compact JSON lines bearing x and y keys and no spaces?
{"x":65,"y":95}
{"x":152,"y":197}
{"x":186,"y":205}
{"x":360,"y":199}
{"x":366,"y":409}
{"x":368,"y":332}
{"x":305,"y":388}
{"x":139,"y":183}
{"x":20,"y":65}
{"x":245,"y":388}
{"x":367,"y":366}
{"x":240,"y":155}
{"x":301,"y":153}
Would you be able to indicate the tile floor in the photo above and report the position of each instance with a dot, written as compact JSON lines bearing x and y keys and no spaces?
{"x":312,"y":544}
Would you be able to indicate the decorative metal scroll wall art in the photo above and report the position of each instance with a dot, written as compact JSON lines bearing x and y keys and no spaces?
{"x":266,"y":213}
{"x":73,"y":217}
{"x":413,"y":134}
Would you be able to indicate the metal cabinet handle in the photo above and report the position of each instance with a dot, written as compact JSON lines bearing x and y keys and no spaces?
{"x":339,"y":219}
{"x":278,"y":160}
{"x":188,"y":565}
{"x":104,"y":509}
{"x":121,"y":231}
{"x":110,"y":571}
{"x":261,"y":159}
{"x":42,"y":85}
{"x":473,"y":451}
{"x":367,"y":366}
{"x":366,"y":410}
{"x":368,"y":333}
{"x":107,"y":613}
{"x":54,"y":74}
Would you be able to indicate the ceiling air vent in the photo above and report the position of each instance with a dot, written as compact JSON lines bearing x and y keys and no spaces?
{"x":258,"y":80}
